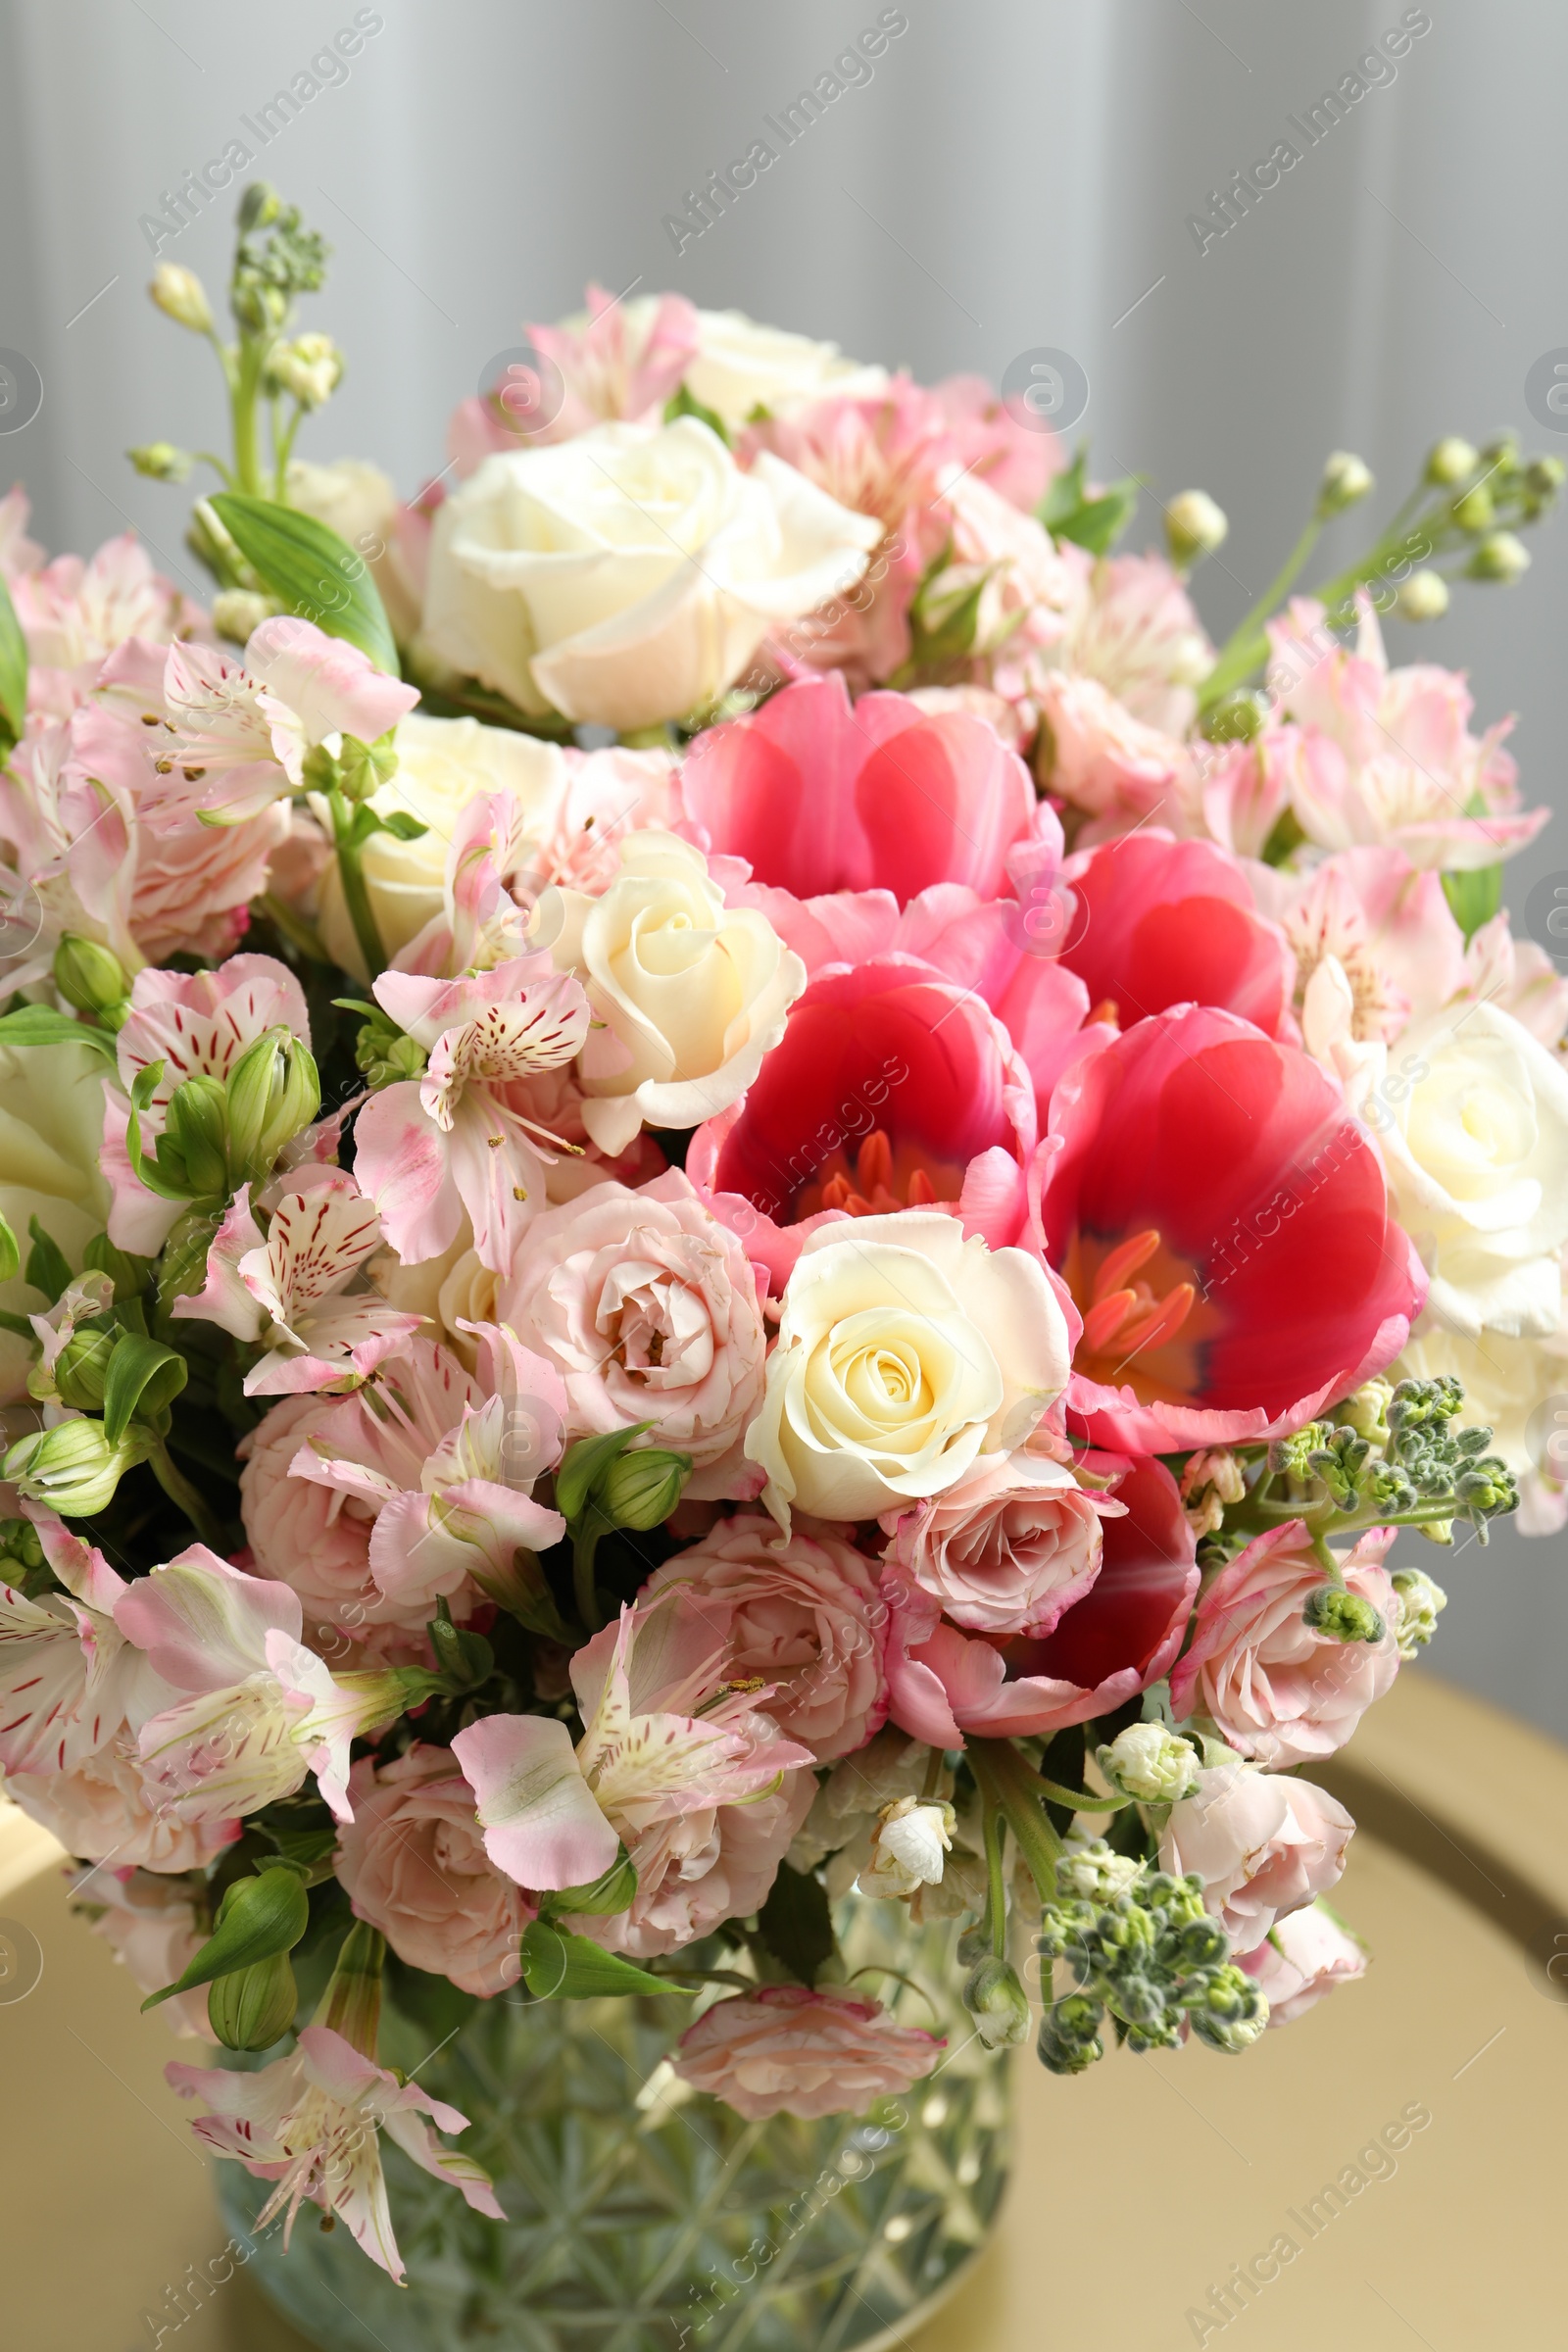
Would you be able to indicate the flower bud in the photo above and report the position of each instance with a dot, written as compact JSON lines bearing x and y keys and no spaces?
{"x":1502,"y":453}
{"x":641,"y":1486}
{"x":181,"y":295}
{"x":259,"y":207}
{"x":1420,"y":1601}
{"x":72,"y":1467}
{"x":198,"y":1126}
{"x":1146,"y":1762}
{"x":364,"y":767}
{"x":1424,"y":595}
{"x":311,"y":367}
{"x":1226,"y":2008}
{"x":1346,"y":479}
{"x":907,"y":1844}
{"x":1544,"y":476}
{"x":1069,"y":2041}
{"x":1236,"y":717}
{"x":92,"y":978}
{"x":253,"y":2007}
{"x":19,"y":1546}
{"x":1194,"y":527}
{"x":1090,"y":1870}
{"x":237,"y":611}
{"x":1342,"y":1616}
{"x":1450,"y":461}
{"x":273,"y":1090}
{"x":82,"y":1368}
{"x":1475,"y":512}
{"x":1366,"y":1410}
{"x":161,"y":460}
{"x":997,"y":2003}
{"x":1502,"y":556}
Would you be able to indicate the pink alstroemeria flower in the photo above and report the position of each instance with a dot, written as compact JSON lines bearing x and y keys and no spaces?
{"x":311,"y":2122}
{"x":286,"y":1285}
{"x":74,"y":613}
{"x":462,"y":1137}
{"x":197,"y":1025}
{"x":70,"y":1680}
{"x":622,"y":362}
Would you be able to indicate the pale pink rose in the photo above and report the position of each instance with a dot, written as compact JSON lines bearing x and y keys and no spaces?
{"x":109,"y":1808}
{"x":1116,"y":769}
{"x":1135,"y":631}
{"x":314,"y":1537}
{"x":1280,"y":1691}
{"x":1028,"y":585}
{"x":150,"y":1924}
{"x":784,"y":2050}
{"x":698,"y":1869}
{"x":1301,"y":1958}
{"x":649,"y":1311}
{"x":805,"y":1615}
{"x":1262,"y":1844}
{"x":413,"y":1860}
{"x":1015,"y":1543}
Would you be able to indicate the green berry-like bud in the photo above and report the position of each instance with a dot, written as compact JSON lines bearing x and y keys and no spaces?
{"x":1475,"y":512}
{"x":72,"y":1467}
{"x":273,"y":1090}
{"x":1146,"y":1762}
{"x":161,"y":461}
{"x":1450,"y":461}
{"x":181,"y":295}
{"x":1544,"y":476}
{"x":1424,"y":595}
{"x":259,"y":207}
{"x":1069,"y":2041}
{"x":1342,"y":1616}
{"x":1347,"y":481}
{"x":1366,"y":1410}
{"x":1194,"y":527}
{"x":1226,"y":2008}
{"x":997,"y":2001}
{"x":1235,"y":719}
{"x":1499,"y":557}
{"x":253,"y":2007}
{"x":92,"y":978}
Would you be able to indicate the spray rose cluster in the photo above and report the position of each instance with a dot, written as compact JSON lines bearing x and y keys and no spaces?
{"x":847,"y":1288}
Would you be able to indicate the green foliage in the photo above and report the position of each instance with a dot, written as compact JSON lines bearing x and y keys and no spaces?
{"x":1094,"y":521}
{"x":796,"y":1922}
{"x":1474,"y":897}
{"x":558,"y":1967}
{"x":258,"y":1917}
{"x":310,"y":570}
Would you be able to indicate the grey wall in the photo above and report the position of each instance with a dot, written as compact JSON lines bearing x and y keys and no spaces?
{"x":1016,"y":174}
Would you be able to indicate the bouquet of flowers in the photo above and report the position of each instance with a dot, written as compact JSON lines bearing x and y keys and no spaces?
{"x":725,"y":1179}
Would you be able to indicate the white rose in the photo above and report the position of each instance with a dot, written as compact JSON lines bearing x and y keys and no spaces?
{"x":357,"y":500}
{"x":51,"y":1138}
{"x":1473,"y":1121}
{"x":443,"y":763}
{"x":741,"y":366}
{"x":692,"y":993}
{"x":905,"y":1351}
{"x":628,"y":576}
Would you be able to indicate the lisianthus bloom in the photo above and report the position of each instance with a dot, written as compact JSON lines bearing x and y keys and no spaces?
{"x":312,"y":2123}
{"x":1281,"y":1690}
{"x":422,"y":1484}
{"x":1304,"y":1956}
{"x":673,"y":1762}
{"x":462,"y":1136}
{"x":112,"y":1809}
{"x":1015,"y":1543}
{"x":647,"y":1309}
{"x":1120,"y":1635}
{"x":1162,"y":922}
{"x":1386,"y":756}
{"x":74,"y":613}
{"x":1116,"y":771}
{"x":785,"y":2050}
{"x":413,"y":1864}
{"x":803,"y":1615}
{"x":1224,"y":1226}
{"x":905,"y":1351}
{"x":70,"y":1680}
{"x":1135,"y":631}
{"x":1263,"y":1843}
{"x":820,"y":796}
{"x":287,"y":1286}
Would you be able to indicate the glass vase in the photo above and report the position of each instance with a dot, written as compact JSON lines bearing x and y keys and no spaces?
{"x":643,"y":2218}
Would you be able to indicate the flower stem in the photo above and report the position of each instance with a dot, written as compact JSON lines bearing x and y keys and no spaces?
{"x":179,"y":1491}
{"x":356,"y":895}
{"x":584,"y":1543}
{"x":1248,"y":642}
{"x":1007,"y":1782}
{"x":996,"y":1830}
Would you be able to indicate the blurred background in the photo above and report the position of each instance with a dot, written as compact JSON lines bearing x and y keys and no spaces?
{"x":1014,"y":174}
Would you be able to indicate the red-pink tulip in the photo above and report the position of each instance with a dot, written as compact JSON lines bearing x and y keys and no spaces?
{"x":1162,"y":922}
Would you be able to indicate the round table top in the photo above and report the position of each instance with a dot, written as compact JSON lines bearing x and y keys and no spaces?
{"x":1139,"y":2187}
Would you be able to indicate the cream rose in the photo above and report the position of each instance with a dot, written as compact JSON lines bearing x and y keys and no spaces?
{"x":741,"y":366}
{"x":692,"y":993}
{"x":51,"y":1138}
{"x":906,"y":1352}
{"x":1473,"y":1122}
{"x":628,"y":576}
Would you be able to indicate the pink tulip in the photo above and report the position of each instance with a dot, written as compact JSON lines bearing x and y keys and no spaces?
{"x":1162,"y":922}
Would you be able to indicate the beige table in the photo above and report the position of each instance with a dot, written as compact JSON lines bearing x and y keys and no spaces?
{"x":1178,"y":2166}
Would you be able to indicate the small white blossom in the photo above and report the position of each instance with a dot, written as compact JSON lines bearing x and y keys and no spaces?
{"x":1089,"y":1869}
{"x":908,"y":1847}
{"x":1146,"y":1762}
{"x":1420,"y":1601}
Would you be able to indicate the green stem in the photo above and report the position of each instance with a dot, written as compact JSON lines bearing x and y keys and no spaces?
{"x":248,"y":470}
{"x":284,"y":451}
{"x":1007,"y":1780}
{"x":1084,"y":1800}
{"x":584,"y":1544}
{"x":356,"y":895}
{"x":1248,"y":642}
{"x":996,"y":1830}
{"x":178,"y":1486}
{"x":299,"y":933}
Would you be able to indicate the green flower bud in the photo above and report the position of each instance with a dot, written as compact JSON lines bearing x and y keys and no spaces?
{"x":1424,"y":595}
{"x":1544,"y":476}
{"x":1475,"y":512}
{"x":386,"y":1056}
{"x":92,"y":978}
{"x":1450,"y":461}
{"x":197,"y":1125}
{"x":1235,"y":719}
{"x":465,"y":1659}
{"x":1069,"y":2041}
{"x":81,"y":1369}
{"x":997,"y":2003}
{"x":1420,"y":1601}
{"x":1346,"y":479}
{"x":273,"y":1090}
{"x":1366,"y":1410}
{"x":1502,"y":453}
{"x":259,"y":207}
{"x":18,"y":1543}
{"x":1194,"y":527}
{"x":72,"y":1467}
{"x":253,"y":2007}
{"x":1342,"y":1616}
{"x":1501,"y":557}
{"x":364,"y":767}
{"x":161,"y":461}
{"x":311,"y":367}
{"x":1146,"y":1762}
{"x":181,"y":295}
{"x":1226,"y":2008}
{"x":641,"y":1486}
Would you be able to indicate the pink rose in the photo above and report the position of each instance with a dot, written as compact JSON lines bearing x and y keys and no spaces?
{"x":802,"y":1615}
{"x":1263,"y":1844}
{"x":107,"y":1809}
{"x":647,"y":1308}
{"x":1300,"y":1959}
{"x":309,"y":1536}
{"x":1280,"y":1690}
{"x":1007,"y":1549}
{"x":698,"y":1869}
{"x":1114,"y":767}
{"x":783,"y":2050}
{"x":413,"y":1860}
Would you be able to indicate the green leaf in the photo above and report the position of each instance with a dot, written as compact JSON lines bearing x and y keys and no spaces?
{"x":47,"y":1267}
{"x":682,"y":402}
{"x":796,"y":1922}
{"x":584,"y":1463}
{"x":257,"y":1918}
{"x":37,"y":1025}
{"x":10,"y":1251}
{"x":401,"y":826}
{"x":1094,"y":522}
{"x":12,"y":668}
{"x":558,"y":1967}
{"x":144,"y":1378}
{"x":129,"y":1275}
{"x":1473,"y":898}
{"x":314,"y":572}
{"x":611,"y":1892}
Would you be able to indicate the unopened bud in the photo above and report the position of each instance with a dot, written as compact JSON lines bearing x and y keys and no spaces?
{"x":181,"y":295}
{"x":1237,"y":718}
{"x":1226,"y":2008}
{"x":273,"y":1090}
{"x":1450,"y":461}
{"x":997,"y":2003}
{"x":364,"y":767}
{"x":1194,"y":527}
{"x":1475,"y":512}
{"x":1342,"y":1616}
{"x":1420,"y":1601}
{"x":1544,"y":476}
{"x":641,"y":1486}
{"x":1366,"y":1410}
{"x":1424,"y":595}
{"x":1502,"y":556}
{"x":196,"y":1123}
{"x":310,"y":368}
{"x":81,"y":1369}
{"x":253,"y":2007}
{"x":161,"y":460}
{"x":908,"y":1847}
{"x":92,"y":978}
{"x":72,"y":1467}
{"x":1146,"y":1762}
{"x":259,"y":207}
{"x":238,"y":612}
{"x":1092,"y":1872}
{"x":1346,"y":479}
{"x":1068,"y":2041}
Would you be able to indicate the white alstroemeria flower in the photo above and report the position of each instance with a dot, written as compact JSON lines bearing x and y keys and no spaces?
{"x":286,"y":1287}
{"x":908,"y":1845}
{"x":69,"y":1682}
{"x":312,"y":2123}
